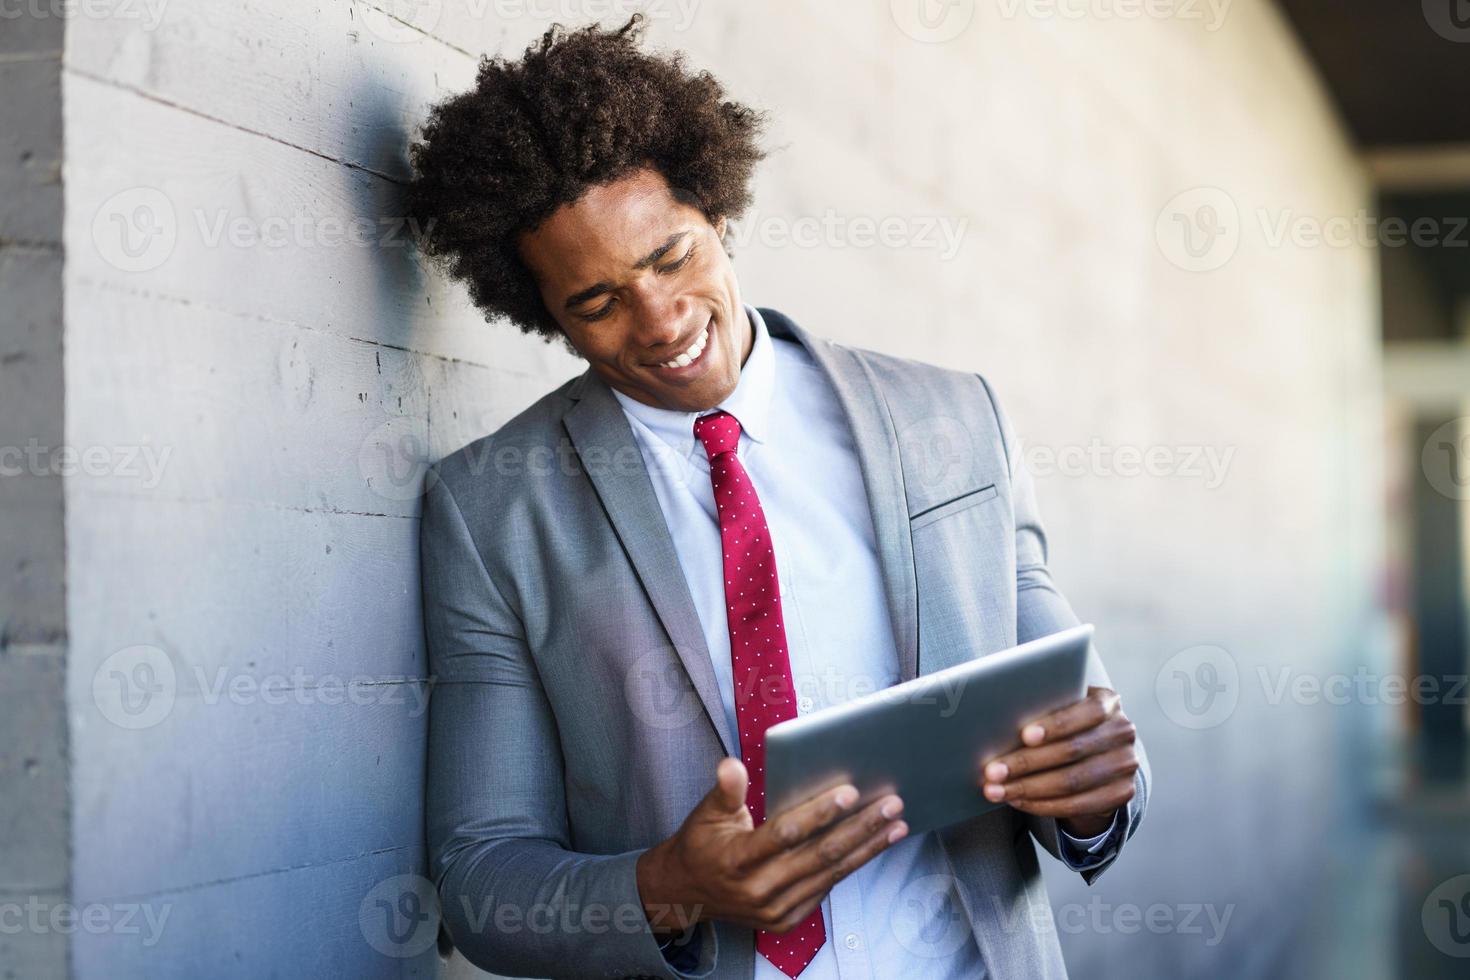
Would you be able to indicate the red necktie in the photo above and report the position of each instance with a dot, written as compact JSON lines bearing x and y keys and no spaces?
{"x":761,"y":666}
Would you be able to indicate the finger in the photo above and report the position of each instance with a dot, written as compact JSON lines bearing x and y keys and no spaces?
{"x":1067,"y":780}
{"x":727,"y":796}
{"x":1112,"y":733}
{"x":794,"y":903}
{"x":1103,"y":799}
{"x":790,"y":827}
{"x":823,"y":850}
{"x":1098,"y":704}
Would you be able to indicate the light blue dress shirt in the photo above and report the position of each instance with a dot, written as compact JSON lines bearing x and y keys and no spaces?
{"x":898,"y":915}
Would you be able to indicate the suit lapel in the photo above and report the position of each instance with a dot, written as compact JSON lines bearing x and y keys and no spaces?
{"x":599,"y":430}
{"x":877,"y":449}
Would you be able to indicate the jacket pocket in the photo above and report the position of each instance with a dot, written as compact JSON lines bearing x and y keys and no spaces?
{"x":951,"y":506}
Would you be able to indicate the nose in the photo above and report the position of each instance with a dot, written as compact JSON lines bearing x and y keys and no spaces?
{"x":662,"y":318}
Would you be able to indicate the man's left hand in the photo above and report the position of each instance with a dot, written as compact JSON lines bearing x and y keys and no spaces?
{"x":1076,"y":764}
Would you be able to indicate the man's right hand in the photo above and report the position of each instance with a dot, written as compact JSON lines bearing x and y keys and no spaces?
{"x":719,"y":865}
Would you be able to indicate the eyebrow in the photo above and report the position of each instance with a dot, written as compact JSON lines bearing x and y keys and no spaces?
{"x":597,"y":289}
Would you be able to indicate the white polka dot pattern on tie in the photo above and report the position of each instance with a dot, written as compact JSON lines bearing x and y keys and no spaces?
{"x":762,"y":683}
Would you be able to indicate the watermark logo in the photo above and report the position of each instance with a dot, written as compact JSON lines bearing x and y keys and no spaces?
{"x":1450,"y":19}
{"x":400,"y":917}
{"x":932,"y":21}
{"x":1446,"y":459}
{"x":136,"y":230}
{"x":1446,"y":917}
{"x":658,"y":690}
{"x":135,"y":687}
{"x":927,"y":919}
{"x":1198,"y":230}
{"x":1198,"y":687}
{"x":394,"y":459}
{"x":942,"y":452}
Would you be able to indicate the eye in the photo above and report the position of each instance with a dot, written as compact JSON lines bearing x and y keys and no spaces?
{"x":599,"y":314}
{"x":676,"y":266}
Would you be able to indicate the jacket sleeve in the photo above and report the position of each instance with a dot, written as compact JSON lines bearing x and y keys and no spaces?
{"x":514,"y":897}
{"x":1042,"y":610}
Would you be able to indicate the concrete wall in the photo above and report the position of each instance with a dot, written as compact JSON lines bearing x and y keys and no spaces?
{"x":33,"y":735}
{"x":256,"y":348}
{"x":1079,"y":150}
{"x":264,"y":395}
{"x":1067,"y":144}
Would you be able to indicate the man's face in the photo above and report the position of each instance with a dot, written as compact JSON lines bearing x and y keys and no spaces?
{"x":635,"y":279}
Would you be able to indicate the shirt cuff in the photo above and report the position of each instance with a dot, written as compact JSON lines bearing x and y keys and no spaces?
{"x":681,"y":951}
{"x":1079,"y":854}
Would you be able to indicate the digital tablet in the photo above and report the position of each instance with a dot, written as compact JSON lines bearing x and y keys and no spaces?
{"x":926,"y":739}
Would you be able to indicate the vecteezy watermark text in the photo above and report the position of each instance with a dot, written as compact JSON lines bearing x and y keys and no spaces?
{"x":1210,"y":13}
{"x":927,"y":232}
{"x":137,"y":687}
{"x":1208,"y":464}
{"x":1200,"y":687}
{"x":144,"y":463}
{"x":1102,"y":917}
{"x":35,"y":915}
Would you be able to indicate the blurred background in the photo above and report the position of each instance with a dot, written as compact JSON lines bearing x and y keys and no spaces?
{"x":1212,"y":254}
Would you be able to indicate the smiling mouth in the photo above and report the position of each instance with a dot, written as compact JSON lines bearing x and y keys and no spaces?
{"x":690,"y":353}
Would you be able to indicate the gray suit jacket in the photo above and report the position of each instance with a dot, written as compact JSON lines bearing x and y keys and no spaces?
{"x":575,"y":718}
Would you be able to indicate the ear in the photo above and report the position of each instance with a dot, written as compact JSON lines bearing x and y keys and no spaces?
{"x":720,"y":227}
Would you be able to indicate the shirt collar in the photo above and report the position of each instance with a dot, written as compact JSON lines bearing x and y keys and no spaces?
{"x":750,"y":402}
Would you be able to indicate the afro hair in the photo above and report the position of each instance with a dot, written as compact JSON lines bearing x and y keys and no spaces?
{"x":578,"y":109}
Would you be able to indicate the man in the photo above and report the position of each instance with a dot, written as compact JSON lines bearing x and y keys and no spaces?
{"x":725,"y":521}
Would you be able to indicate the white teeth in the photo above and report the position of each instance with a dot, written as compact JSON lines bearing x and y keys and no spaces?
{"x":692,"y":354}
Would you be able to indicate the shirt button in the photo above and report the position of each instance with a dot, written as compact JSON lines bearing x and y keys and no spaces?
{"x":852,"y":941}
{"x":805,"y":704}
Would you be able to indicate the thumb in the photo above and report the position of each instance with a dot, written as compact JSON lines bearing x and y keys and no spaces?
{"x":728,"y":794}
